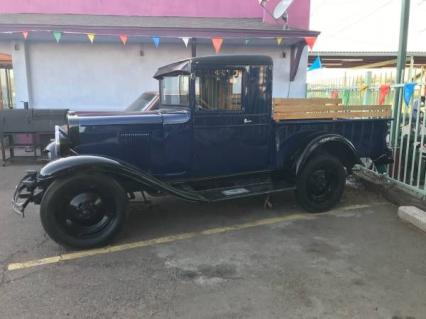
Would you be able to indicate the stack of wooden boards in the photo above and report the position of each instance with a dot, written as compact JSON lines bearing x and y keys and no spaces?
{"x":323,"y":108}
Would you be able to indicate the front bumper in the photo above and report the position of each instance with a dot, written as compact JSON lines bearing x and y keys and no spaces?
{"x":24,"y":193}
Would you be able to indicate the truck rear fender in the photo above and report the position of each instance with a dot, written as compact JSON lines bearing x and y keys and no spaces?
{"x":333,"y":144}
{"x":123,"y":172}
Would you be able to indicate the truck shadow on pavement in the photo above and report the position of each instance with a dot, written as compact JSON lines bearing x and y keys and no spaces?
{"x":165,"y":216}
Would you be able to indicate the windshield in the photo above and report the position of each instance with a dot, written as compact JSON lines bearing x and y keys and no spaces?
{"x":140,"y":103}
{"x":175,"y":90}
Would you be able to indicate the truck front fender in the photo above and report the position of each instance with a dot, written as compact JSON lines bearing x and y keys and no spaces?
{"x":333,"y":144}
{"x":89,"y":163}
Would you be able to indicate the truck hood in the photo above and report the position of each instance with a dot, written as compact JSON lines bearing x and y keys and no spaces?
{"x":120,"y":118}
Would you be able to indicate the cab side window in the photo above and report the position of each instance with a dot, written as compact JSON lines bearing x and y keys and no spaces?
{"x":219,"y":90}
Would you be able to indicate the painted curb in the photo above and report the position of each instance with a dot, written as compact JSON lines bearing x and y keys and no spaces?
{"x":413,"y":215}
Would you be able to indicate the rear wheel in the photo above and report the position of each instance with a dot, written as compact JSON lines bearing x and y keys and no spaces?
{"x":83,"y":211}
{"x":321,"y":183}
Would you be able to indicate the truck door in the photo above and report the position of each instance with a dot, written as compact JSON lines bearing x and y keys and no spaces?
{"x":232,"y":126}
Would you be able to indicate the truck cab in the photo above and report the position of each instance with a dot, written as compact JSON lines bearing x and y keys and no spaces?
{"x":227,"y":101}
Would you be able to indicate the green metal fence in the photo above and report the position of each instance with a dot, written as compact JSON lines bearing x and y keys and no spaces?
{"x":359,"y":89}
{"x":407,"y":136}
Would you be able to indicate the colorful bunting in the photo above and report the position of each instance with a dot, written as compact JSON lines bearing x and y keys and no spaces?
{"x":408,"y":92}
{"x":25,"y":34}
{"x":156,"y":41}
{"x":279,"y":40}
{"x":310,"y":41}
{"x":124,"y":38}
{"x":57,"y":35}
{"x":383,"y":92}
{"x":185,"y":40}
{"x":91,"y":37}
{"x":316,"y":64}
{"x":363,"y":88}
{"x":217,"y":43}
{"x":346,"y":95}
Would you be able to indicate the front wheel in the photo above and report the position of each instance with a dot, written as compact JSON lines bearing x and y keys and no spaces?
{"x":320,"y":185}
{"x":83,"y":211}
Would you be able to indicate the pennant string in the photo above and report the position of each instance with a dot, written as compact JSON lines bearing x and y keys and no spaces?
{"x":156,"y":41}
{"x":57,"y":35}
{"x":217,"y":44}
{"x":310,"y":41}
{"x":384,"y":91}
{"x":91,"y":37}
{"x":408,"y":92}
{"x":124,"y":38}
{"x":185,"y":40}
{"x":316,"y":64}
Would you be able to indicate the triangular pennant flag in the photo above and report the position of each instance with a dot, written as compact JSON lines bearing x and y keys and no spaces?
{"x":408,"y":92}
{"x":346,"y":97}
{"x":156,"y":41}
{"x":334,"y":94}
{"x":363,"y":88}
{"x":310,"y":41}
{"x":91,"y":37}
{"x":185,"y":40}
{"x":384,"y":91}
{"x":316,"y":64}
{"x":124,"y":38}
{"x":25,"y":34}
{"x":246,"y":42}
{"x":279,"y":40}
{"x":217,"y":43}
{"x":57,"y":35}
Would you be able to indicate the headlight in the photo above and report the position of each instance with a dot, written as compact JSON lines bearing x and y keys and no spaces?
{"x":62,"y":141}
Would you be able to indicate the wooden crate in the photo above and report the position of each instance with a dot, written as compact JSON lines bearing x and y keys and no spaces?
{"x":292,"y":109}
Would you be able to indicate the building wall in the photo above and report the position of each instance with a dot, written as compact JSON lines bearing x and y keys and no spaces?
{"x":109,"y":76}
{"x":298,"y":11}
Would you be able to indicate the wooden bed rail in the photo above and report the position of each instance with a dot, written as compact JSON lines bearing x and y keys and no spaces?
{"x":319,"y":108}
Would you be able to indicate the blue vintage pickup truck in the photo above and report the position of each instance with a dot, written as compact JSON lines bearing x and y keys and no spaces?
{"x":216,"y":136}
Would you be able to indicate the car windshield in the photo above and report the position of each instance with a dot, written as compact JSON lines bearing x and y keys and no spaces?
{"x":175,"y":90}
{"x":140,"y":103}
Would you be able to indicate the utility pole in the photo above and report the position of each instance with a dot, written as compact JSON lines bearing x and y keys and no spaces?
{"x":402,"y":58}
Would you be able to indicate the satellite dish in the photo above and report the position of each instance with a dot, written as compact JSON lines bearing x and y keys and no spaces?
{"x":281,"y":8}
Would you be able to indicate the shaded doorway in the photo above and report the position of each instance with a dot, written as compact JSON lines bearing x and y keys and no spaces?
{"x":7,"y":85}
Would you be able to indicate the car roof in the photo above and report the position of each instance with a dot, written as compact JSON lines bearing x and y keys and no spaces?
{"x":184,"y":66}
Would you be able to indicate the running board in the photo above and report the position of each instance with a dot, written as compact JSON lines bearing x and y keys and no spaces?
{"x":240,"y":191}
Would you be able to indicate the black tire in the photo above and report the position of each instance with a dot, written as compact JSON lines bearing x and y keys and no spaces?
{"x":83,"y":211}
{"x":320,"y":185}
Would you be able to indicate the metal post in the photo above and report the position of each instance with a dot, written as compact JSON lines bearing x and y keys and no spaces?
{"x":402,"y":57}
{"x":193,"y":47}
{"x":367,"y":94}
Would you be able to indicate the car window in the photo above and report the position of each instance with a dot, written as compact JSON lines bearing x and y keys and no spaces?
{"x":219,"y":89}
{"x":175,"y":90}
{"x":140,"y":102}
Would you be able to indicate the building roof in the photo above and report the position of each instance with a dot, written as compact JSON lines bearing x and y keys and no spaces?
{"x":148,"y":26}
{"x":364,"y":59}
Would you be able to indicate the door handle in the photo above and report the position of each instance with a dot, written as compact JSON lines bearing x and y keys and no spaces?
{"x":247,"y":121}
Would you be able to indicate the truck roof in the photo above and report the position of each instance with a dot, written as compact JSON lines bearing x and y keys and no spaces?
{"x":184,"y":66}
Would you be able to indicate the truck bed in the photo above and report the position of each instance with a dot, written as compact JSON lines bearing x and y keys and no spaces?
{"x":323,"y":108}
{"x":367,"y":135}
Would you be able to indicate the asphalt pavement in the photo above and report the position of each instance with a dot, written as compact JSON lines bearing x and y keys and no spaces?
{"x":233,"y":259}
